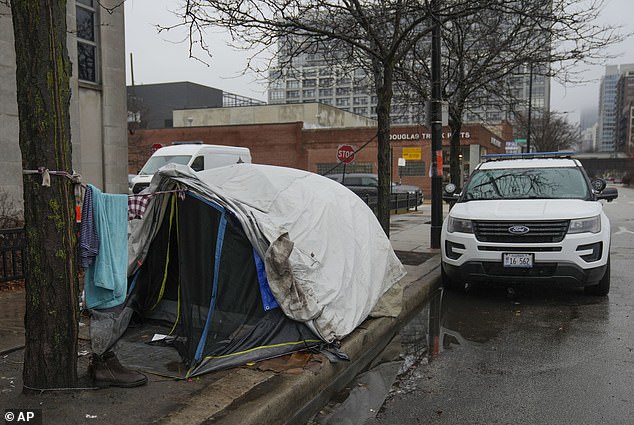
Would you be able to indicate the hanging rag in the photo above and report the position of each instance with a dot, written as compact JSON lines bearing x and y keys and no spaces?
{"x":88,"y":236}
{"x":105,"y":279}
{"x":137,"y":205}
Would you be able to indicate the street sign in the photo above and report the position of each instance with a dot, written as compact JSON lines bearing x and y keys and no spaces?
{"x":155,"y":147}
{"x":412,"y":154}
{"x":345,"y":154}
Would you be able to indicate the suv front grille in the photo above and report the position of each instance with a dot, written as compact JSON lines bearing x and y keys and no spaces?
{"x":538,"y":231}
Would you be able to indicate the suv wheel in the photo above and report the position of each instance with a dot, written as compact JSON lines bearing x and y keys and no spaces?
{"x":603,"y":287}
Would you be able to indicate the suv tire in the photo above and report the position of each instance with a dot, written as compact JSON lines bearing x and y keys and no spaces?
{"x":603,"y":287}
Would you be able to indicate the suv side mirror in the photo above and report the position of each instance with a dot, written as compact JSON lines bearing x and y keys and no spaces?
{"x":598,"y":184}
{"x":449,"y":194}
{"x":609,"y":194}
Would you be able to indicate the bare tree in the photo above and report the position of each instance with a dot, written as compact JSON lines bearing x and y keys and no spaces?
{"x":550,"y":131}
{"x":375,"y":33}
{"x":43,"y":93}
{"x":487,"y":56}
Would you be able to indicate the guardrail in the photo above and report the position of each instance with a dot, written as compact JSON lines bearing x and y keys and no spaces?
{"x":12,"y":245}
{"x":398,"y":201}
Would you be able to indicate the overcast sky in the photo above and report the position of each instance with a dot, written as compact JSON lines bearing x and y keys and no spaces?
{"x":163,"y":57}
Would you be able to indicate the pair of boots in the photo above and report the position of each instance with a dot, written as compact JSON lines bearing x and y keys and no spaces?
{"x":106,"y":371}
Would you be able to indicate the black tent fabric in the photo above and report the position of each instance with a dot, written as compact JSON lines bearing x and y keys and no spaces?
{"x":204,"y":282}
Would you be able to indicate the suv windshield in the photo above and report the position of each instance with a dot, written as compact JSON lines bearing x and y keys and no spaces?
{"x":156,"y":162}
{"x":527,"y":183}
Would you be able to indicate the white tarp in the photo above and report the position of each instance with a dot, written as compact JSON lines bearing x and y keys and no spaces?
{"x":327,"y":259}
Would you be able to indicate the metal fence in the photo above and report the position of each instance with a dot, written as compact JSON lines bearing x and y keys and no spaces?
{"x":12,"y":245}
{"x":398,"y":201}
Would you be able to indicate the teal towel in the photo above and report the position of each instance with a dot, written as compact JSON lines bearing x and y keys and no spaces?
{"x":105,"y":282}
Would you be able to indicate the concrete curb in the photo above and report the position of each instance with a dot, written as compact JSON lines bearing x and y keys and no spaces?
{"x":293,"y":399}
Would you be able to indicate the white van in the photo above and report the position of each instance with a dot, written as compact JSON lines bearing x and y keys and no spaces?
{"x":197,"y":156}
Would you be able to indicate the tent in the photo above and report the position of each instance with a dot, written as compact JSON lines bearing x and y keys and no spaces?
{"x":247,"y":262}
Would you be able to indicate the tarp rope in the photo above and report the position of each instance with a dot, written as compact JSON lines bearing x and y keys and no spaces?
{"x":178,"y":290}
{"x":167,"y":259}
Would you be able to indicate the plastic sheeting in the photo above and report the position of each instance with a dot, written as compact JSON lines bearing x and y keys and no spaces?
{"x":327,"y":259}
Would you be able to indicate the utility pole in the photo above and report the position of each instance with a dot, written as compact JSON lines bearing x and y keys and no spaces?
{"x":436,"y":131}
{"x":530,"y":107}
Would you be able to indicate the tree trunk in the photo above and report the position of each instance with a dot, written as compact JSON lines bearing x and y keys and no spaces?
{"x":42,"y":74}
{"x":455,"y":124}
{"x":383,"y":77}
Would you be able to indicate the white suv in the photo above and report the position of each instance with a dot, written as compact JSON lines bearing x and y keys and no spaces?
{"x":528,"y":219}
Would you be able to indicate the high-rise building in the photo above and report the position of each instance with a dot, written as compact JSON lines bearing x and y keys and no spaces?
{"x":312,"y":78}
{"x":607,"y":106}
{"x":625,"y":113}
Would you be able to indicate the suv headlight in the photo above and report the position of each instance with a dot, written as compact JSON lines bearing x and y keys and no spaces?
{"x":585,"y":225}
{"x":459,"y":225}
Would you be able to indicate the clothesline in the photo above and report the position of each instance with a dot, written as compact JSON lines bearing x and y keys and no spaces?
{"x":76,"y":179}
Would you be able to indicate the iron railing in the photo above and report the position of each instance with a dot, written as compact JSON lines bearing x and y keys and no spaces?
{"x":12,"y":246}
{"x":398,"y":201}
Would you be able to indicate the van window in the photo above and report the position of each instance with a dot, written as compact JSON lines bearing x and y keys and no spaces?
{"x":155,"y":162}
{"x":198,"y":164}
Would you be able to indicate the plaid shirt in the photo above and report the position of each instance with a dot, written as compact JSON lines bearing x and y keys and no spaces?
{"x":137,"y":205}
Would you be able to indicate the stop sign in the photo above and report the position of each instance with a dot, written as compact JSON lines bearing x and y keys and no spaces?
{"x":345,"y":154}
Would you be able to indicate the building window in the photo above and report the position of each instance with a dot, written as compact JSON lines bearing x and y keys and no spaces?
{"x":309,"y":93}
{"x":292,"y":94}
{"x":310,"y":83}
{"x":343,"y":101}
{"x":343,"y":91}
{"x":292,"y":84}
{"x":86,"y":40}
{"x":412,"y":168}
{"x":325,"y":82}
{"x":325,"y":92}
{"x":275,"y":95}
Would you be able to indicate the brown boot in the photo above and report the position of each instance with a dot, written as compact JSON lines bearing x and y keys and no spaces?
{"x":106,"y":371}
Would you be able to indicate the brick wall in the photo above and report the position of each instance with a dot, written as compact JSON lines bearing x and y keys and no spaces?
{"x":274,"y":144}
{"x":291,"y":146}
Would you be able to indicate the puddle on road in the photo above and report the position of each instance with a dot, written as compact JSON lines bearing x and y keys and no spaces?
{"x":451,"y":320}
{"x":364,"y":396}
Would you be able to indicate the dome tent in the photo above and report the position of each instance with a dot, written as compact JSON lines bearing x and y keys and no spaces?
{"x":256,"y":261}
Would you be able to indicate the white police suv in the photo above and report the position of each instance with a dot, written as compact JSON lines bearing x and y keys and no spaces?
{"x":532,"y":218}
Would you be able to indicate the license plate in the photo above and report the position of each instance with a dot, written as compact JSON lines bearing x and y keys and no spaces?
{"x":524,"y":261}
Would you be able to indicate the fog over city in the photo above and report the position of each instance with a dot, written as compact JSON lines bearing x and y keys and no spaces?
{"x":164,"y":57}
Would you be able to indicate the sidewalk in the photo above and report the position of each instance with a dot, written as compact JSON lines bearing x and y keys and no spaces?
{"x":276,"y":391}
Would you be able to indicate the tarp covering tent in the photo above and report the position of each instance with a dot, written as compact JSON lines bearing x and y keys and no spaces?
{"x":252,"y":261}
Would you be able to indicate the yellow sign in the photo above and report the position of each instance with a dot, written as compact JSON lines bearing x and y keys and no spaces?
{"x":412,"y":154}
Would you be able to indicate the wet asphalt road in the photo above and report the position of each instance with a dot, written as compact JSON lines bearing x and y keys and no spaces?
{"x":540,"y":356}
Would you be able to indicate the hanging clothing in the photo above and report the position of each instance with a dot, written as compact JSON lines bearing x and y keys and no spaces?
{"x":105,"y":280}
{"x":88,"y":236}
{"x":137,"y":205}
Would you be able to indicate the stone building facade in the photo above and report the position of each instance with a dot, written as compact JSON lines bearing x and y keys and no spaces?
{"x":96,"y":47}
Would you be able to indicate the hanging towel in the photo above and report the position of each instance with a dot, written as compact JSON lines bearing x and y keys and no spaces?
{"x":88,"y":236}
{"x":105,"y":280}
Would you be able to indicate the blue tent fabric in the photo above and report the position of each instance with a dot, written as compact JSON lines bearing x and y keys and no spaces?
{"x":105,"y":281}
{"x":268,"y":300}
